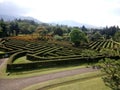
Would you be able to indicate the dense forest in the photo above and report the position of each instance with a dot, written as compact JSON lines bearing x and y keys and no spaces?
{"x":18,"y":26}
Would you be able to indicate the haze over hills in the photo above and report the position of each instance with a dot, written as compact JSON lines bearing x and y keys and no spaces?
{"x":11,"y":18}
{"x":73,"y":24}
{"x":64,"y":22}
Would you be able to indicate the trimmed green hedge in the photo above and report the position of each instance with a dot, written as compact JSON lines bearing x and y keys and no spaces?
{"x":2,"y":55}
{"x":38,"y":58}
{"x":50,"y":63}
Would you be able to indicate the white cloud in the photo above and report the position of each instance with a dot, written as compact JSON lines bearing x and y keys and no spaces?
{"x":1,"y":1}
{"x":95,"y":12}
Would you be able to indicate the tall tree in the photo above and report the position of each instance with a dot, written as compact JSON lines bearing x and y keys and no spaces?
{"x":84,"y":28}
{"x":58,"y":31}
{"x":77,"y":37}
{"x":3,"y":28}
{"x":117,"y":36}
{"x":96,"y":36}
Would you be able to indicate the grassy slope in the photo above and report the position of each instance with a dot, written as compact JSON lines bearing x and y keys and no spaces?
{"x":90,"y":84}
{"x":86,"y":81}
{"x":2,"y":52}
{"x":21,"y":60}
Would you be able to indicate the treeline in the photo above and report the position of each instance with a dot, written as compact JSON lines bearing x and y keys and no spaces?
{"x":18,"y":26}
{"x":93,"y":34}
{"x":112,"y":32}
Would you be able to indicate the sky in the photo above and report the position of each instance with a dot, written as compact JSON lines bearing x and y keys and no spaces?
{"x":93,"y":12}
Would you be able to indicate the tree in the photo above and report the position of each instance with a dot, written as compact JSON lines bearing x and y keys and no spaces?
{"x":109,"y":31}
{"x":84,"y":28}
{"x":58,"y":31}
{"x":41,"y":30}
{"x":77,"y":37}
{"x":117,"y":36}
{"x":111,"y":68}
{"x":97,"y":36}
{"x":3,"y":28}
{"x":16,"y":28}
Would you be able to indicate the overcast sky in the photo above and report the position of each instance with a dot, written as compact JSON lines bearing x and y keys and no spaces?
{"x":94,"y":12}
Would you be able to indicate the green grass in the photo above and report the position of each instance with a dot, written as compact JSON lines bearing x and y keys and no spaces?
{"x":42,"y":71}
{"x":2,"y":52}
{"x":90,"y":84}
{"x":86,"y":81}
{"x":21,"y":60}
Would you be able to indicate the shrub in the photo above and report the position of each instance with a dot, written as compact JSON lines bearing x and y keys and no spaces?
{"x":57,"y":37}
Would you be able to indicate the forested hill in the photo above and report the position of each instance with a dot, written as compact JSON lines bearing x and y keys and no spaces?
{"x":18,"y":26}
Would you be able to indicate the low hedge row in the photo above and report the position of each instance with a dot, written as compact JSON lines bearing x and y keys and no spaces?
{"x":35,"y":49}
{"x":65,"y":53}
{"x":15,"y":56}
{"x":38,"y":58}
{"x":16,"y":46}
{"x":46,"y":50}
{"x":55,"y":49}
{"x":13,"y":47}
{"x":2,"y":48}
{"x":51,"y":63}
{"x":12,"y":52}
{"x":2,"y":55}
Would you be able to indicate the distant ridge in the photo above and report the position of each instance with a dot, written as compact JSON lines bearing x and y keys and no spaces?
{"x":11,"y":18}
{"x":64,"y":22}
{"x":73,"y":24}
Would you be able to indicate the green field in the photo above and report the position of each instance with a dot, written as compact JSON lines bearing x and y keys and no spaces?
{"x":90,"y":84}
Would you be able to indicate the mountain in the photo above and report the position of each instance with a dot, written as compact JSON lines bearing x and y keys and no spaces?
{"x":73,"y":24}
{"x":64,"y":22}
{"x":11,"y":18}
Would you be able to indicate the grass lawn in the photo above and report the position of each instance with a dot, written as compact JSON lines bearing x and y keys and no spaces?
{"x":2,"y":52}
{"x":21,"y":60}
{"x":86,"y":81}
{"x":90,"y":84}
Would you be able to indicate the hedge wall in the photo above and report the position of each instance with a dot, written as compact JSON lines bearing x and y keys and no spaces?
{"x":51,"y":63}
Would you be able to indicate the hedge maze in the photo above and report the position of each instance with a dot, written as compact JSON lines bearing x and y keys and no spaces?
{"x":48,"y":55}
{"x":106,"y":44}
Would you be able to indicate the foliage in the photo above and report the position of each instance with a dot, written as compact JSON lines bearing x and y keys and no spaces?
{"x":112,"y":69}
{"x":13,"y":28}
{"x":57,"y":37}
{"x":108,"y":52}
{"x":58,"y":31}
{"x":83,"y":28}
{"x":89,"y":53}
{"x":41,"y":30}
{"x":109,"y":31}
{"x":117,"y":36}
{"x":96,"y":36}
{"x":77,"y":37}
